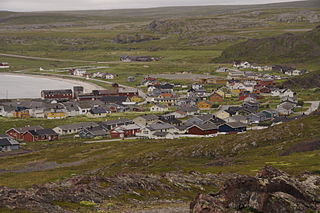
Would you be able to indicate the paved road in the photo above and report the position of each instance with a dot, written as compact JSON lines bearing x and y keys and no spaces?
{"x":57,"y":59}
{"x":110,"y":140}
{"x":314,"y":106}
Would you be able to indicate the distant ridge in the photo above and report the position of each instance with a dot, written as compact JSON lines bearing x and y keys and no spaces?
{"x":187,"y":10}
{"x":285,"y":48}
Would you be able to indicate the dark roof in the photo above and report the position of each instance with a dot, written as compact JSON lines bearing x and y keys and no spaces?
{"x":78,"y":125}
{"x":160,"y":134}
{"x":3,"y":136}
{"x":114,"y":99}
{"x":43,"y":132}
{"x":165,"y":86}
{"x":8,"y":142}
{"x":236,"y":124}
{"x":150,"y":117}
{"x":96,"y":131}
{"x":98,"y":110}
{"x":57,"y":92}
{"x":27,"y":128}
{"x":160,"y":126}
{"x":206,"y":126}
{"x":116,"y":122}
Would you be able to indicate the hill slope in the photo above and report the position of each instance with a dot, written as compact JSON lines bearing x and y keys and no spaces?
{"x":286,"y":48}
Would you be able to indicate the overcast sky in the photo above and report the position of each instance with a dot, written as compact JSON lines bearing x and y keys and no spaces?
{"x":46,"y":5}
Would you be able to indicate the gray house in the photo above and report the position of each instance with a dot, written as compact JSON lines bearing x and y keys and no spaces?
{"x":70,"y":129}
{"x":8,"y":144}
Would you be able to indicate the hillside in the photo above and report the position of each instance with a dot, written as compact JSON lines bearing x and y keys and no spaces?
{"x":310,"y":80}
{"x":120,"y":175}
{"x":285,"y":48}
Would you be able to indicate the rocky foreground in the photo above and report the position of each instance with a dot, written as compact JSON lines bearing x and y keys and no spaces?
{"x":270,"y":191}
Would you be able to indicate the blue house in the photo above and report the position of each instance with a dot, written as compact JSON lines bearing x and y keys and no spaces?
{"x":233,"y":127}
{"x":8,"y":144}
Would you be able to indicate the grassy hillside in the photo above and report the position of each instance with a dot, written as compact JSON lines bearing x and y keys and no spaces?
{"x":286,"y":48}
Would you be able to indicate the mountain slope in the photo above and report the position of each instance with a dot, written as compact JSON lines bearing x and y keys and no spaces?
{"x":286,"y":48}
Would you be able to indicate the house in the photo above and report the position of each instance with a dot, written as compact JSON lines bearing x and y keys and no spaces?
{"x":111,"y":124}
{"x":127,"y":58}
{"x":282,"y":93}
{"x":8,"y":144}
{"x":159,"y":108}
{"x":146,"y":120}
{"x":222,"y":114}
{"x":17,"y":133}
{"x":204,"y":105}
{"x":57,"y":94}
{"x":114,"y":99}
{"x":203,"y":129}
{"x":197,"y":86}
{"x":129,"y":92}
{"x":125,"y":131}
{"x":286,"y":108}
{"x":70,"y":129}
{"x":215,"y":97}
{"x":241,"y":65}
{"x":109,"y":76}
{"x":222,"y":70}
{"x":4,"y":65}
{"x":78,"y":72}
{"x":56,"y":115}
{"x":169,"y":118}
{"x":257,"y":117}
{"x":93,"y":132}
{"x":237,"y":118}
{"x":98,"y":112}
{"x":131,"y":79}
{"x":40,"y":135}
{"x":233,"y":127}
{"x":153,"y":130}
{"x":270,"y":113}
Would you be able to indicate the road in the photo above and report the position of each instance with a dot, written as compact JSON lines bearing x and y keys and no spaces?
{"x":57,"y":59}
{"x":110,"y":140}
{"x":314,"y":106}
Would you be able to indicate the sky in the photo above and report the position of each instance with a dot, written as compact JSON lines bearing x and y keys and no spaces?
{"x":54,"y":5}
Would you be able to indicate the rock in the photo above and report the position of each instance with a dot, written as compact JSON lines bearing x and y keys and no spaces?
{"x":271,"y":191}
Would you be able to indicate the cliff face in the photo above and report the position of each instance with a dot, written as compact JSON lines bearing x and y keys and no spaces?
{"x":270,"y":191}
{"x":286,"y":48}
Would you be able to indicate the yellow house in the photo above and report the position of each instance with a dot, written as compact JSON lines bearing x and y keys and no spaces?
{"x":221,"y":92}
{"x":56,"y":115}
{"x":135,"y":99}
{"x":237,"y":91}
{"x":21,"y":114}
{"x":222,"y":114}
{"x":204,"y":105}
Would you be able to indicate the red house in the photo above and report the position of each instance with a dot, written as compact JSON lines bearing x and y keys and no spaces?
{"x":57,"y":94}
{"x":266,"y":82}
{"x":215,"y":97}
{"x":40,"y":135}
{"x":17,"y":133}
{"x":125,"y":131}
{"x":203,"y":129}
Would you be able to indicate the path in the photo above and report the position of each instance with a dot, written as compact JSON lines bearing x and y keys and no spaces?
{"x":314,"y":106}
{"x":110,"y":140}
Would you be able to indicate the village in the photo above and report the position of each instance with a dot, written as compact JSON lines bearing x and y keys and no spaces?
{"x":244,"y":100}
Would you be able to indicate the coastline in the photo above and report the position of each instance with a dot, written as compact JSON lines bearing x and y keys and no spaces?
{"x":88,"y":86}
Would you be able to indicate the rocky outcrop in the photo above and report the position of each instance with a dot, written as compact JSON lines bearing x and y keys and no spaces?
{"x":270,"y":191}
{"x":96,"y":189}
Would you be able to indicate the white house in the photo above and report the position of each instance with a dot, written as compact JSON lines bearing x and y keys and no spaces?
{"x":109,"y":76}
{"x":159,"y":108}
{"x":78,"y":72}
{"x":158,"y":130}
{"x":283,"y":93}
{"x":4,"y":65}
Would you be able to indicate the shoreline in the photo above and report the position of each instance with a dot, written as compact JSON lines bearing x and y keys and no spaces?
{"x":88,"y":86}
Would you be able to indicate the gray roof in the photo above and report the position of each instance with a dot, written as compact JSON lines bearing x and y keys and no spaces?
{"x":117,"y":121}
{"x":160,"y":126}
{"x":206,"y":126}
{"x":27,"y":128}
{"x":160,"y":134}
{"x":8,"y":142}
{"x":150,"y":117}
{"x":78,"y":126}
{"x":42,"y":132}
{"x":236,"y":124}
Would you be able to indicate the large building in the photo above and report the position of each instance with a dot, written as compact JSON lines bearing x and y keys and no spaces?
{"x":57,"y":94}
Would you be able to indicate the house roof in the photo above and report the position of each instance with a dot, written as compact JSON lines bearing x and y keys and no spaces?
{"x":206,"y":126}
{"x":236,"y":124}
{"x":96,"y":131}
{"x":116,"y":122}
{"x":42,"y":132}
{"x":114,"y":99}
{"x":8,"y":142}
{"x":160,"y":126}
{"x":57,"y":92}
{"x":26,"y":129}
{"x":78,"y":126}
{"x":150,"y":117}
{"x":98,"y":110}
{"x":160,"y":134}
